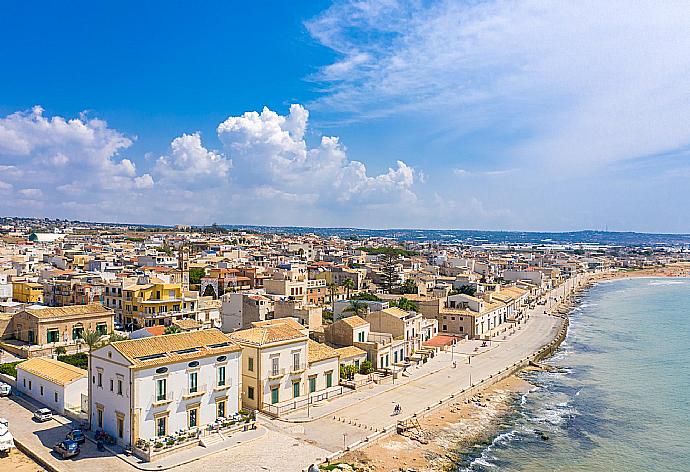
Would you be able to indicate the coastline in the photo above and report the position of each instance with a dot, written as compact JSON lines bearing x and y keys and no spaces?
{"x":476,"y":417}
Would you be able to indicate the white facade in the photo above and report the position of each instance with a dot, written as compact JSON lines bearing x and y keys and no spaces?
{"x":130,"y":403}
{"x":53,"y":395}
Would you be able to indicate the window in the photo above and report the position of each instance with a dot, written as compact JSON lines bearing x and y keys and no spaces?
{"x":161,"y":426}
{"x":41,"y":390}
{"x":102,"y":328}
{"x":161,"y":390}
{"x":193,"y":387}
{"x":312,"y":384}
{"x":274,"y":366}
{"x":274,"y":395}
{"x":329,"y":379}
{"x":24,"y":382}
{"x":120,"y":427}
{"x":111,"y":385}
{"x":193,"y":417}
{"x":295,"y":389}
{"x":119,"y":386}
{"x":221,"y":376}
{"x":295,"y":361}
{"x":100,"y":379}
{"x":360,"y":337}
{"x":445,"y":327}
{"x":55,"y":395}
{"x":99,"y":415}
{"x":250,"y":393}
{"x":29,"y":384}
{"x":250,"y":364}
{"x":53,"y":335}
{"x":220,"y":409}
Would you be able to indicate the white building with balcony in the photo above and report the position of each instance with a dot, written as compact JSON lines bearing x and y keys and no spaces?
{"x":151,"y":387}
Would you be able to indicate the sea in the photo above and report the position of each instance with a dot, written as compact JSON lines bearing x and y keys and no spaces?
{"x":618,"y":396}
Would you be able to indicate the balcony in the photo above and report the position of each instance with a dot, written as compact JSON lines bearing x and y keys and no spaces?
{"x":199,"y":391}
{"x":298,"y":368}
{"x":158,"y":400}
{"x":276,"y":373}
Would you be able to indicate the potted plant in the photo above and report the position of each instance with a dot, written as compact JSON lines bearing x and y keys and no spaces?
{"x":170,"y":442}
{"x":157,"y":446}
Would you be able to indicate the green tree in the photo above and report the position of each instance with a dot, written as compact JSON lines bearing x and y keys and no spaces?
{"x":348,"y":285}
{"x":172,"y":329}
{"x":365,"y":296}
{"x":356,"y":307}
{"x":92,"y":340}
{"x":113,"y":337}
{"x":410,"y":286}
{"x":195,"y":275}
{"x":366,"y":368}
{"x":405,"y":304}
{"x":466,"y":290}
{"x":60,"y":350}
{"x":389,"y":271}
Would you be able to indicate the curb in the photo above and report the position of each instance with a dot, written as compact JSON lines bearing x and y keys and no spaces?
{"x":35,"y":457}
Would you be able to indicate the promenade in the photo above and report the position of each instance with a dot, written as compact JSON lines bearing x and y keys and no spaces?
{"x":294,"y":442}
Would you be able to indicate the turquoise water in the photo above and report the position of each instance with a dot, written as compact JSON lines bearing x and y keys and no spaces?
{"x":619,"y":397}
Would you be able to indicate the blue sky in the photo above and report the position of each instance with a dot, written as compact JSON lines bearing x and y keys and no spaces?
{"x":522,"y":115}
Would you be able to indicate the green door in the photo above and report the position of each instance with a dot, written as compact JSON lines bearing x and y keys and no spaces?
{"x":274,"y":395}
{"x":295,"y":389}
{"x":312,"y":384}
{"x":329,"y":379}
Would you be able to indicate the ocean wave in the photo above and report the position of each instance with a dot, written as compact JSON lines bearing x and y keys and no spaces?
{"x":667,"y":282}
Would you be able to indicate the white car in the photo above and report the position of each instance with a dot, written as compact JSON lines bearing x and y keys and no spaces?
{"x":43,"y":414}
{"x":5,"y":389}
{"x":6,"y":439}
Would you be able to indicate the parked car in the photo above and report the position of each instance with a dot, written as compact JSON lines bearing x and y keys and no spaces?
{"x":76,"y":435}
{"x":43,"y":414}
{"x":5,"y":389}
{"x":67,"y":449}
{"x":6,"y":439}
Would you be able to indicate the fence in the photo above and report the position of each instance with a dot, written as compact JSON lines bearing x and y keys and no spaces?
{"x":278,"y":410}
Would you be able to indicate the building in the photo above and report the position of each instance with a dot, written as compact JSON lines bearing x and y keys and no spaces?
{"x":150,"y":387}
{"x":282,"y":369}
{"x":57,"y":385}
{"x":27,"y":292}
{"x":156,"y":302}
{"x":60,"y":326}
{"x":240,"y":310}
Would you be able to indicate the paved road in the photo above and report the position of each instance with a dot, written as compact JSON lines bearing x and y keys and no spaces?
{"x":292,"y":447}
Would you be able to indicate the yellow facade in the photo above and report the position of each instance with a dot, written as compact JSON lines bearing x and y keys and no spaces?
{"x":156,"y":304}
{"x":27,"y":292}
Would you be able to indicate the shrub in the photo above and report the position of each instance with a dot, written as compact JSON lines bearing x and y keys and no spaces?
{"x":81,"y":359}
{"x":9,"y":368}
{"x":366,"y":368}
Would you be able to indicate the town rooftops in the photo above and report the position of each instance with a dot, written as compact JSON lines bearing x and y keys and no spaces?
{"x":397,"y":312}
{"x":354,"y":321}
{"x":73,"y":311}
{"x":319,"y":352}
{"x":287,"y":321}
{"x":350,"y":351}
{"x":261,"y":335}
{"x":59,"y":373}
{"x":171,"y":348}
{"x":187,"y":324}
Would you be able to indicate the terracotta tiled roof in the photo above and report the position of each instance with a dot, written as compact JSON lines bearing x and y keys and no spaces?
{"x":59,"y":373}
{"x":170,"y":348}
{"x":319,"y":352}
{"x":267,"y":334}
{"x":288,"y":321}
{"x":350,"y":351}
{"x":354,"y":321}
{"x":187,"y":324}
{"x":69,"y":311}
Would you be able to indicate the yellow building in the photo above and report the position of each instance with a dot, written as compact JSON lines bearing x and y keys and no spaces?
{"x":27,"y":292}
{"x":158,"y":303}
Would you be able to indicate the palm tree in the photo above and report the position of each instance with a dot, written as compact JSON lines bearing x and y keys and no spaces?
{"x":60,"y":351}
{"x":92,"y":340}
{"x":356,"y":307}
{"x":348,"y":284}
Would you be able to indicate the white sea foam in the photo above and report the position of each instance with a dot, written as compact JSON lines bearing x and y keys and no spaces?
{"x":667,"y":282}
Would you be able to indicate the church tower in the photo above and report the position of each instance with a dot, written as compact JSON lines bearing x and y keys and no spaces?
{"x":183,"y":265}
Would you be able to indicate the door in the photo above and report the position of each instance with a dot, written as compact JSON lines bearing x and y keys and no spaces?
{"x":312,"y":384}
{"x":31,"y":337}
{"x":295,"y":389}
{"x":274,"y":395}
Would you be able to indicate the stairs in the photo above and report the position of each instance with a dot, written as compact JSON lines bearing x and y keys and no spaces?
{"x":211,"y":439}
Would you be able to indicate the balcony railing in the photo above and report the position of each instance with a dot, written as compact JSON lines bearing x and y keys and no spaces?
{"x":297,"y":368}
{"x":275,"y":373}
{"x":200,"y":390}
{"x":166,"y":397}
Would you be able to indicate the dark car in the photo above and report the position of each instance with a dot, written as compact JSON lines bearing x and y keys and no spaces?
{"x":66,"y":449}
{"x":76,"y":435}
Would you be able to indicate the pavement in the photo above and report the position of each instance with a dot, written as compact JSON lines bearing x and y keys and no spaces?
{"x":280,"y":445}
